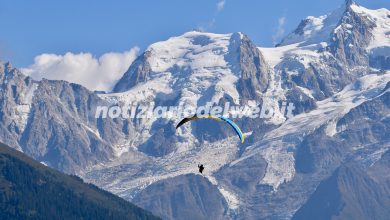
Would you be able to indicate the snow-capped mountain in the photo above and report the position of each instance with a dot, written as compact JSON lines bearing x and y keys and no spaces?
{"x":334,"y":68}
{"x":53,"y":122}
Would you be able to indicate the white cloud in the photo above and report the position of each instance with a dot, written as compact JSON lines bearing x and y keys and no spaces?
{"x":280,"y":30}
{"x":83,"y":68}
{"x":220,"y":5}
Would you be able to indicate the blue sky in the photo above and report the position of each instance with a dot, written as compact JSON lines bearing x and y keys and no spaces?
{"x":30,"y":28}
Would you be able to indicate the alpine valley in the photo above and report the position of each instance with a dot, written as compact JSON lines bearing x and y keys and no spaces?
{"x":330,"y":161}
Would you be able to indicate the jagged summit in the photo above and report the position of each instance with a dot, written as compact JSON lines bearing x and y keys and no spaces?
{"x":6,"y":66}
{"x":349,"y":3}
{"x":314,"y":30}
{"x":352,"y":34}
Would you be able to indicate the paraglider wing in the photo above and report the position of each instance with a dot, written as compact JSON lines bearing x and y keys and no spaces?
{"x":234,"y":126}
{"x":185,"y":120}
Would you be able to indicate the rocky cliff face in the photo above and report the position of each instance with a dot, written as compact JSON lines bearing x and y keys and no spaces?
{"x":183,"y":197}
{"x":54,"y":122}
{"x":350,"y":193}
{"x":350,"y":38}
{"x":254,"y":71}
{"x":138,"y":73}
{"x":15,"y":97}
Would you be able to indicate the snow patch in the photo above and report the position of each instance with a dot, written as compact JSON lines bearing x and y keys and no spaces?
{"x":280,"y":167}
{"x":331,"y":128}
{"x":307,"y":92}
{"x":230,"y":198}
{"x":22,"y":109}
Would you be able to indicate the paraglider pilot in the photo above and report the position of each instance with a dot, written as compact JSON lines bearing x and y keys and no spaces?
{"x":201,"y":168}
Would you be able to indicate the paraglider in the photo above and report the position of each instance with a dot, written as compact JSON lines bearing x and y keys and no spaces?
{"x":219,"y":118}
{"x":201,"y":168}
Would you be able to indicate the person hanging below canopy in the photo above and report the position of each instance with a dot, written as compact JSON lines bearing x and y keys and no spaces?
{"x":201,"y":168}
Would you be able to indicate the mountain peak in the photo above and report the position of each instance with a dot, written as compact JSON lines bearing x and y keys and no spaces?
{"x":8,"y":65}
{"x":5,"y":67}
{"x":181,"y":56}
{"x":314,"y":30}
{"x":348,"y":3}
